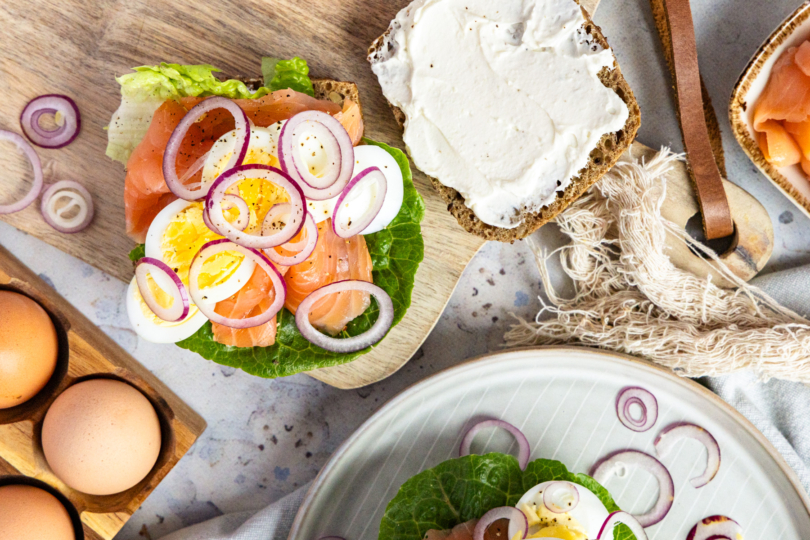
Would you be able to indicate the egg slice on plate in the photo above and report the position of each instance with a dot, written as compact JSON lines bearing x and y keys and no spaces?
{"x":581,"y":523}
{"x":360,"y":200}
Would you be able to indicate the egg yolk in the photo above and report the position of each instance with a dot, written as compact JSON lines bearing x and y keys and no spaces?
{"x":260,"y":195}
{"x":548,"y":524}
{"x":183,"y":238}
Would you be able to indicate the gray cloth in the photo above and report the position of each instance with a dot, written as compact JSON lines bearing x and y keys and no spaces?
{"x":780,"y":410}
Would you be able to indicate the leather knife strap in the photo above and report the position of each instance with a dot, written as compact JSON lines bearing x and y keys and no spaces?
{"x":717,"y":222}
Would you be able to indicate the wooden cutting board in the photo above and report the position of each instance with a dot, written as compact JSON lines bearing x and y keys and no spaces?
{"x":78,"y":47}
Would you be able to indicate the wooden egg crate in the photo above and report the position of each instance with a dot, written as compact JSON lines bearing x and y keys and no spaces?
{"x":85,"y":352}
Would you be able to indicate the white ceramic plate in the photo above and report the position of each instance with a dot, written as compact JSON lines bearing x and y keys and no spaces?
{"x":564,"y":401}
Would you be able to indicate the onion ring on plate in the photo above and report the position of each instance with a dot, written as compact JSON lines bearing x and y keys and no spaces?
{"x":518,"y":522}
{"x":715,"y":527}
{"x":634,"y":395}
{"x":216,"y":197}
{"x":348,"y":226}
{"x":305,"y":247}
{"x":523,"y":444}
{"x":670,"y":436}
{"x":36,"y":186}
{"x":66,"y":116}
{"x":606,"y":532}
{"x":197,"y":296}
{"x":240,"y":223}
{"x":561,"y":497}
{"x":180,"y":304}
{"x":176,"y":140}
{"x":335,"y":141}
{"x":602,"y":470}
{"x":350,"y":344}
{"x":79,"y":198}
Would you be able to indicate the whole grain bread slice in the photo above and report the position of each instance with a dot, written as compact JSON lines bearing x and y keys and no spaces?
{"x":602,"y":158}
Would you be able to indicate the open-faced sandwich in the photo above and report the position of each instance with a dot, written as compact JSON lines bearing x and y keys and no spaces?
{"x":499,"y":497}
{"x":272,"y":236}
{"x":513,"y":108}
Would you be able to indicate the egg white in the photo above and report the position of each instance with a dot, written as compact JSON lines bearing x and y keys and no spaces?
{"x":261,"y":139}
{"x":589,"y":513}
{"x":364,"y":157}
{"x":153,"y":248}
{"x":153,"y":329}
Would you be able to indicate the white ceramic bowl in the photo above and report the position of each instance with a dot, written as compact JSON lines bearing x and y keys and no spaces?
{"x":791,"y":33}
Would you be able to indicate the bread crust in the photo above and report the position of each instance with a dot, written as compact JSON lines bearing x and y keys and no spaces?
{"x":602,"y":158}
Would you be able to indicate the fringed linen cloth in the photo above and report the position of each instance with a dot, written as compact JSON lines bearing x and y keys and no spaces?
{"x":631,"y":298}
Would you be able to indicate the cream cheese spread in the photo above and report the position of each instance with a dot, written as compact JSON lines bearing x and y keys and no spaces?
{"x":502,"y":98}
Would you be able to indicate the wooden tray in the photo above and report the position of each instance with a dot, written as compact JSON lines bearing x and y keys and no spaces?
{"x":90,"y":42}
{"x":86,"y":352}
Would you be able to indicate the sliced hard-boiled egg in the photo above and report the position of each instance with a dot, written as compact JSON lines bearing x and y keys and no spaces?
{"x":176,"y":235}
{"x":581,"y":523}
{"x":360,"y":200}
{"x":260,"y":195}
{"x":152,"y":328}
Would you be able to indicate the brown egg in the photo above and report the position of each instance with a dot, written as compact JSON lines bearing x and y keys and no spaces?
{"x":101,"y":436}
{"x":28,"y":348}
{"x":30,"y":513}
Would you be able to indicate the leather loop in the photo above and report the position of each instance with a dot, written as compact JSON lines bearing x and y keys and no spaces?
{"x":717,"y":222}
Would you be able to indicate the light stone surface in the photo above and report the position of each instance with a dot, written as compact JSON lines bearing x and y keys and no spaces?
{"x":266,"y":437}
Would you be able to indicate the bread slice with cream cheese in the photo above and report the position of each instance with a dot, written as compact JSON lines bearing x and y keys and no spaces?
{"x":600,"y":160}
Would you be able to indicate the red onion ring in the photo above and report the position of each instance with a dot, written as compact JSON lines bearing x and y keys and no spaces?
{"x":358,"y":225}
{"x":670,"y":436}
{"x":311,"y":231}
{"x":518,"y":522}
{"x":715,"y":527}
{"x":176,"y":140}
{"x":354,"y":343}
{"x":197,"y":296}
{"x":180,"y":304}
{"x":341,"y":167}
{"x":639,"y":396}
{"x":217,"y":193}
{"x":82,"y":199}
{"x":602,"y":470}
{"x":36,"y":165}
{"x":606,"y":532}
{"x":523,"y":443}
{"x":561,"y":492}
{"x":240,"y":223}
{"x":51,"y":104}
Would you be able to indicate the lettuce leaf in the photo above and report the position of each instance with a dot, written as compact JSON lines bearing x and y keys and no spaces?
{"x":465,"y":488}
{"x":293,"y":73}
{"x":174,"y":81}
{"x":396,"y":252}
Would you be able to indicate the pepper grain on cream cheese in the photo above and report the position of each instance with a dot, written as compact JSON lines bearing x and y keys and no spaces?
{"x":503,"y":99}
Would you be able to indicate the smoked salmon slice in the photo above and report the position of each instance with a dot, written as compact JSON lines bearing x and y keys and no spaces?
{"x":145,"y":189}
{"x":777,"y":145}
{"x":782,"y":114}
{"x":351,"y":119}
{"x":334,"y":259}
{"x":251,"y":300}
